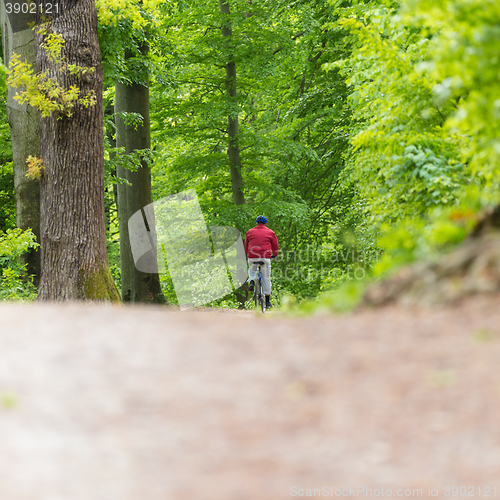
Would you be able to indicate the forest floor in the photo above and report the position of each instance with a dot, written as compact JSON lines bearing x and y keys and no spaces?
{"x":134,"y":403}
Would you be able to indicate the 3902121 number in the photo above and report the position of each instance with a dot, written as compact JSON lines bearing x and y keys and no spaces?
{"x":32,"y":8}
{"x":470,"y":491}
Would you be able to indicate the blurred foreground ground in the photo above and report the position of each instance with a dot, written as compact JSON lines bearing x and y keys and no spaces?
{"x":136,"y":403}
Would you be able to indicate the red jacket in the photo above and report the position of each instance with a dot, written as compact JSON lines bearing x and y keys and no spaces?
{"x":261,"y":242}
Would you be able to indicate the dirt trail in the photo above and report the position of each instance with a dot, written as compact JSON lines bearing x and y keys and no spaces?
{"x":139,"y":403}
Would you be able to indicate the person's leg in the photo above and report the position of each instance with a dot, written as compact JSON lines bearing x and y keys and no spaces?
{"x":252,"y":270}
{"x":266,"y":276}
{"x":266,"y":281}
{"x":268,"y":302}
{"x":252,"y":273}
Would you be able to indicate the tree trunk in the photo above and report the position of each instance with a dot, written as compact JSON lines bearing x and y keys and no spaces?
{"x":126,"y":261}
{"x":136,"y":285}
{"x":24,"y":131}
{"x":233,"y":149}
{"x":73,"y":232}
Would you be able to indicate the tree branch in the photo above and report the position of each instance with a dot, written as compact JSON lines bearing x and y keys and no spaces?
{"x":294,"y":37}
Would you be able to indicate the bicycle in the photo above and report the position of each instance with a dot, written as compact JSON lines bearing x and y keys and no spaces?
{"x":258,"y":294}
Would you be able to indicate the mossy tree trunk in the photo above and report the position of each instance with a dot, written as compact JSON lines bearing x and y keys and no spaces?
{"x":24,"y":124}
{"x":73,"y":236}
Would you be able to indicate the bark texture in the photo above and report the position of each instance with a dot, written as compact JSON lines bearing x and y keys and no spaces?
{"x":126,"y":261}
{"x":73,"y":235}
{"x":233,"y":149}
{"x":24,"y":130}
{"x":136,"y":285}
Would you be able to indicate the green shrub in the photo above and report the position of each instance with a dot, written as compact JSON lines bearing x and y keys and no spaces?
{"x":15,"y":283}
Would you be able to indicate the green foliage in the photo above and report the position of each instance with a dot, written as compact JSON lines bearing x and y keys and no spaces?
{"x":342,"y":299}
{"x":368,"y":131}
{"x":433,"y":179}
{"x":112,"y":12}
{"x":15,"y":284}
{"x":403,"y":160}
{"x":44,"y":92}
{"x":53,"y":44}
{"x":7,"y":198}
{"x":423,"y":89}
{"x":35,"y":167}
{"x":463,"y":60}
{"x":430,"y":237}
{"x":126,"y":29}
{"x":293,"y":122}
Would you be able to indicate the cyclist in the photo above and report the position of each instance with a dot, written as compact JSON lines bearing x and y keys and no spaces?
{"x":261,"y":245}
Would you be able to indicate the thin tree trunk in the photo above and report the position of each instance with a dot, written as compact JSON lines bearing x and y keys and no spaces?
{"x":24,"y":131}
{"x":73,"y":232}
{"x":233,"y":149}
{"x":137,"y":286}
